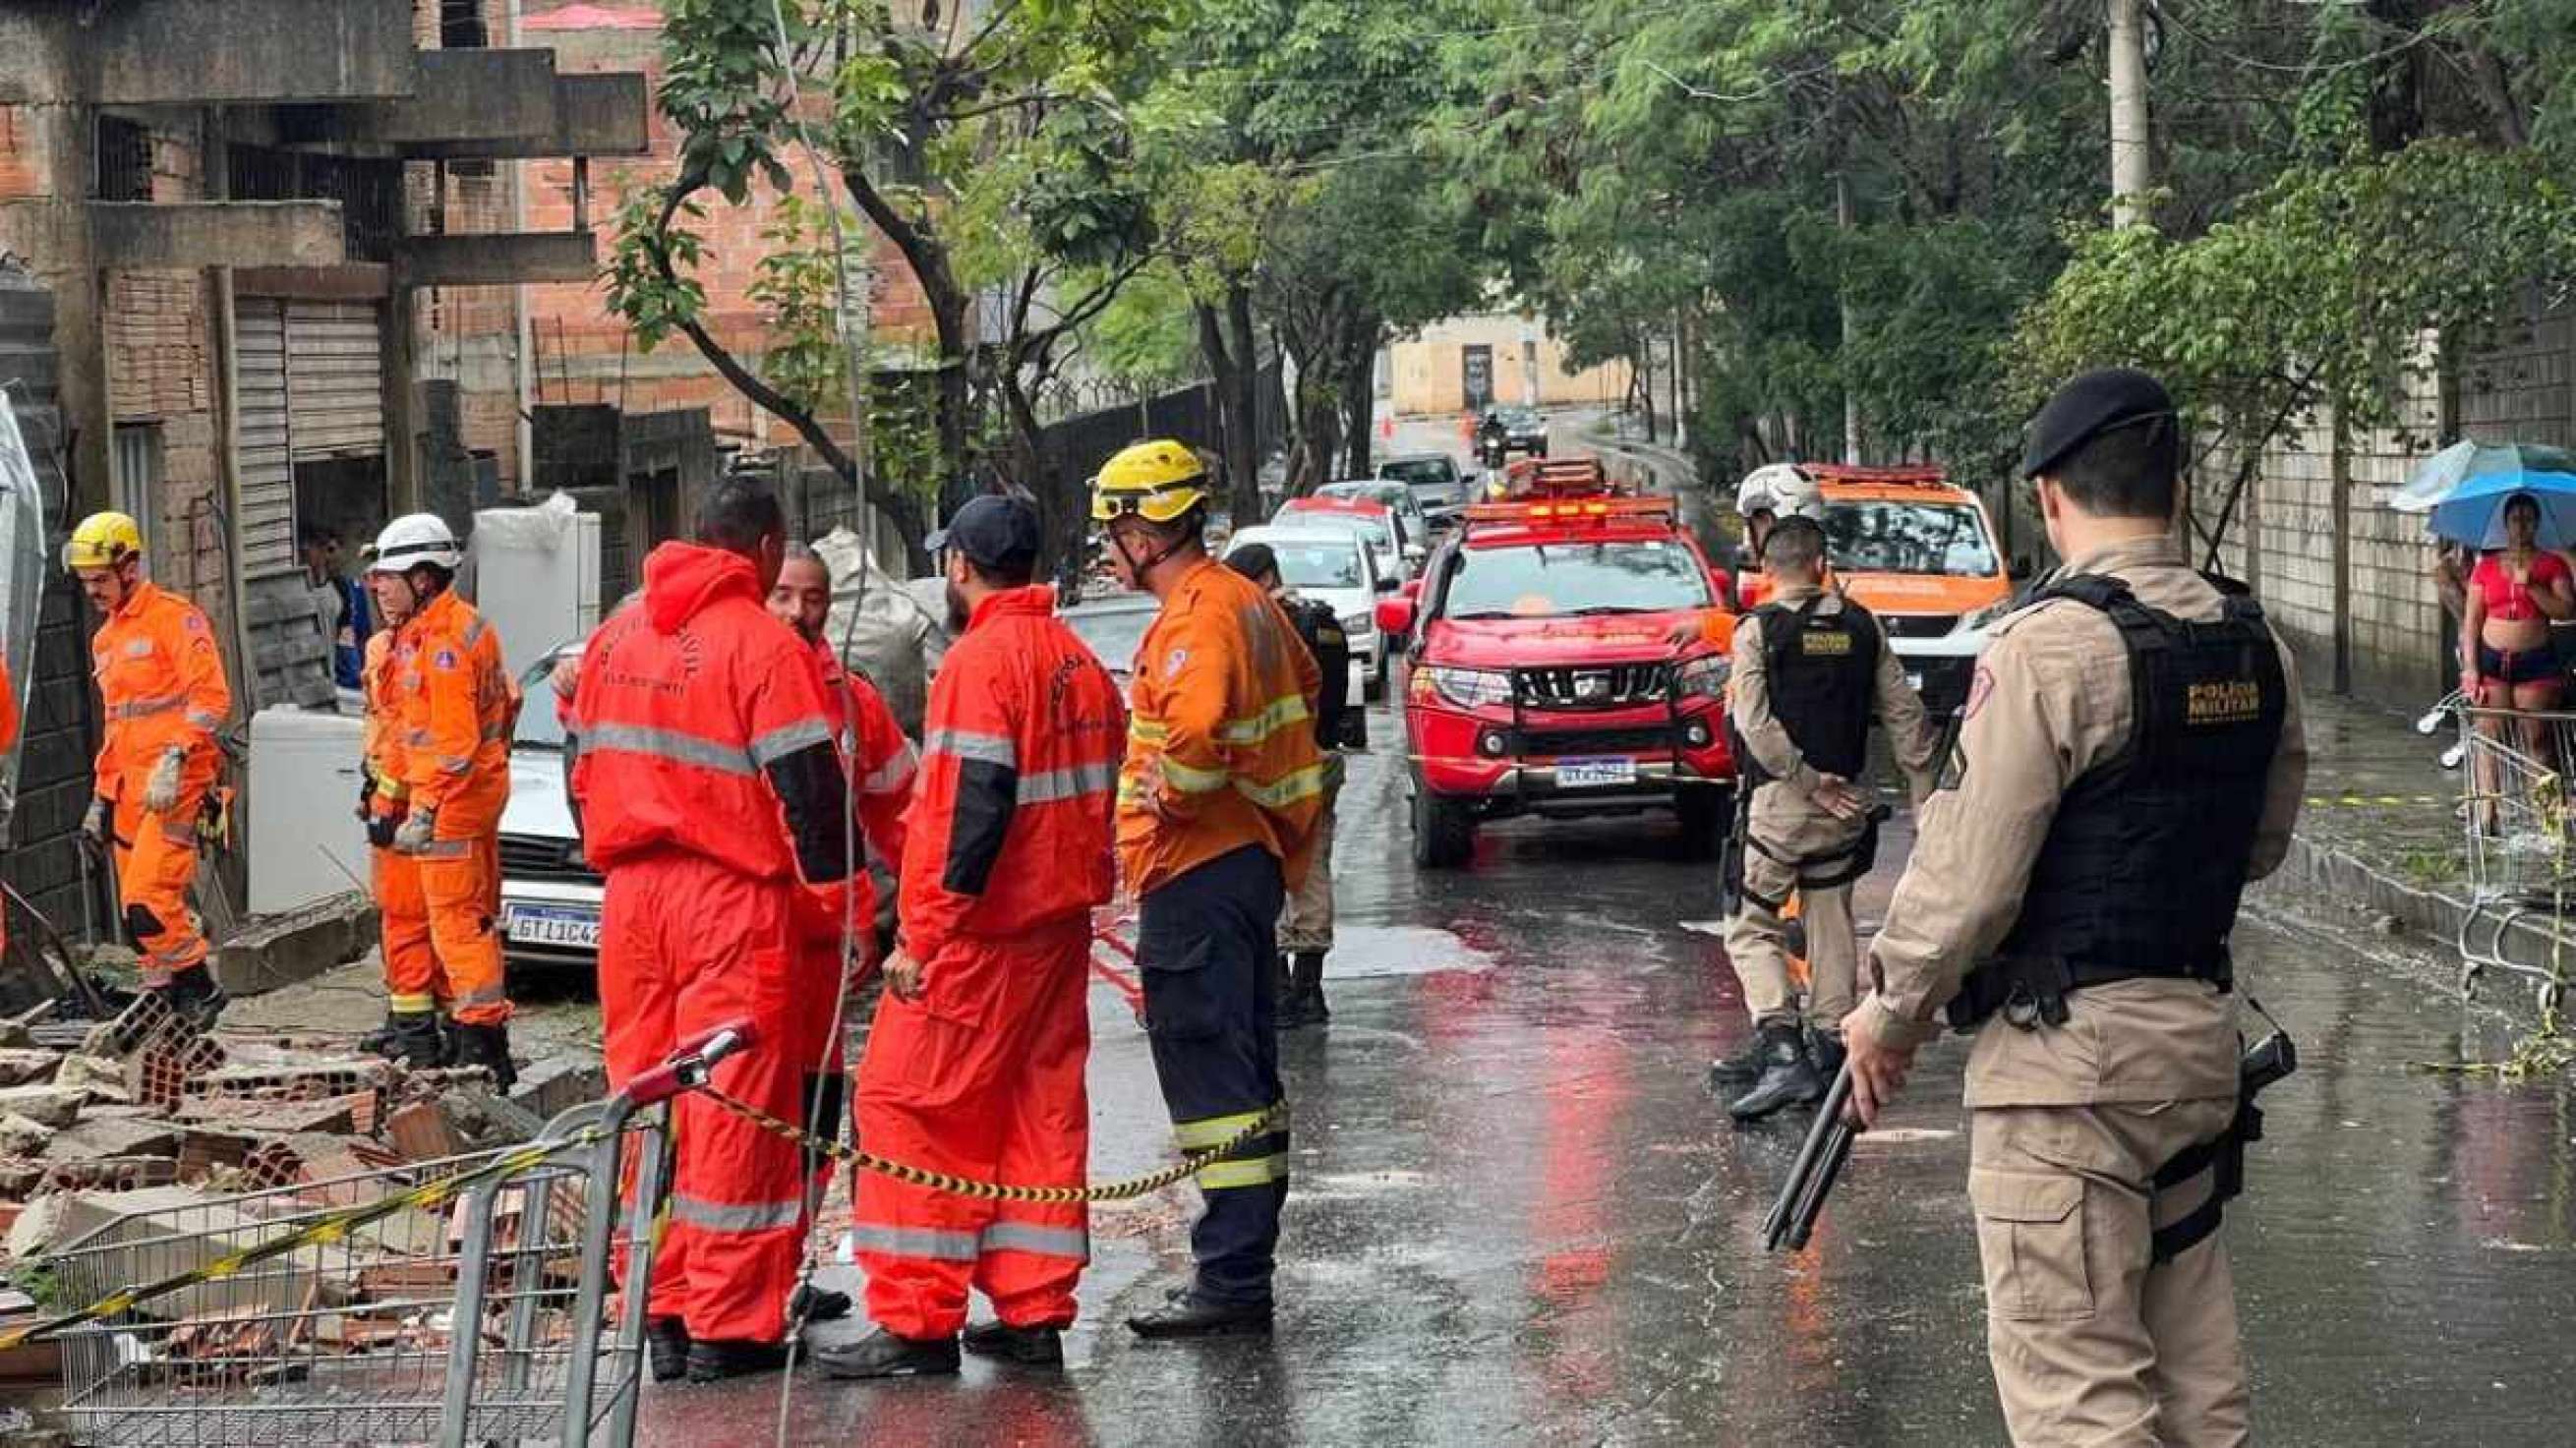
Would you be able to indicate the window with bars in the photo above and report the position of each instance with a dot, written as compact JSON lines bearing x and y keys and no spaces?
{"x":370,"y":192}
{"x":124,"y":170}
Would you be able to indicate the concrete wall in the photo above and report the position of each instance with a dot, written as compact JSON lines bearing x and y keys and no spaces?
{"x":1430,"y":368}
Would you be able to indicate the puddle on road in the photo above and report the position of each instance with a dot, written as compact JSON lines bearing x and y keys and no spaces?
{"x":1362,"y":951}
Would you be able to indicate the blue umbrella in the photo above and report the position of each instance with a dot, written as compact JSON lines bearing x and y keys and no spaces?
{"x":2474,"y":512}
{"x":2439,"y":476}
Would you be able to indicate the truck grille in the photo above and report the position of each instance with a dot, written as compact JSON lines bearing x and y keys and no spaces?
{"x":1609,"y":686}
{"x":1919,"y":625}
{"x":531,"y":857}
{"x":1576,"y":743}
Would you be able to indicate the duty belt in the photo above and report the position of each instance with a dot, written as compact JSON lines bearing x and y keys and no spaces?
{"x":2031,"y":991}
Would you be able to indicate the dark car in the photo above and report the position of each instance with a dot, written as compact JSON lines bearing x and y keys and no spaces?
{"x":1524,"y":431}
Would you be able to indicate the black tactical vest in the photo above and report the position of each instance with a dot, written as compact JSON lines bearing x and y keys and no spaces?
{"x":2144,"y":863}
{"x":1822,"y":670}
{"x":1323,"y":636}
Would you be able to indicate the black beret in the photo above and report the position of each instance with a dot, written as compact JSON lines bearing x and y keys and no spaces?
{"x":2089,"y":406}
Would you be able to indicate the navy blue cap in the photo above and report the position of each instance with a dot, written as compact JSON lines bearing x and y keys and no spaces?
{"x":2088,"y":407}
{"x":991,"y":531}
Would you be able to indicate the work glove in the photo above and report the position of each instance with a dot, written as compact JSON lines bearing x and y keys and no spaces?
{"x":381,"y":828}
{"x":94,"y":825}
{"x":161,"y":791}
{"x":417,"y":829}
{"x":366,"y":793}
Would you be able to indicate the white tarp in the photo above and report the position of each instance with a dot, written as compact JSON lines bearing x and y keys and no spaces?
{"x":22,"y":582}
{"x":881,"y":628}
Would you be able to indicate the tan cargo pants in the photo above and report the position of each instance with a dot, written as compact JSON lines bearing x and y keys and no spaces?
{"x":1306,"y":926}
{"x":1757,"y":938}
{"x":2089,"y":1343}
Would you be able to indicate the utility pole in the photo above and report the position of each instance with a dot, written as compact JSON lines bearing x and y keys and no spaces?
{"x":1851,"y":331}
{"x":2129,"y":147}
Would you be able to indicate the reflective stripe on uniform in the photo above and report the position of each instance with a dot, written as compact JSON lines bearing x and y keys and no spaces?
{"x":930,"y":1243}
{"x":894,"y":774}
{"x":1070,"y":783}
{"x":785,"y":740}
{"x":1296,"y":784}
{"x":410,"y":1005}
{"x":1189,"y":778}
{"x":200,"y":719}
{"x":1260,"y":1171}
{"x":1278,"y":715}
{"x":667,"y":744}
{"x":146,"y":708}
{"x":1141,"y":730}
{"x":967,"y":744}
{"x":1045,"y":1241}
{"x":178,"y":831}
{"x":490,"y":995}
{"x":1210,"y":1131}
{"x":444,"y":850}
{"x":737,"y":1216}
{"x":450,"y":764}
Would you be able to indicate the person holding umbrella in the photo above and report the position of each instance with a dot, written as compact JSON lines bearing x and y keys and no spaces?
{"x":2506,"y":661}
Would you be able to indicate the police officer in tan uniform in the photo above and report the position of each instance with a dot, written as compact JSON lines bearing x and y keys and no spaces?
{"x":2131,"y":756}
{"x":1812,"y":668}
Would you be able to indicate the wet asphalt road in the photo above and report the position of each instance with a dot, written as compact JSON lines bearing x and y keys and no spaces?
{"x":1517,"y":1218}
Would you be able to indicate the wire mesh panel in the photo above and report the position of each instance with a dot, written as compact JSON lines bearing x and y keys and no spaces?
{"x":2515,"y":805}
{"x":446,"y":1321}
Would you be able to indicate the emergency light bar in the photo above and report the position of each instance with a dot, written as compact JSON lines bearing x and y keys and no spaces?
{"x":1903,"y":475}
{"x":1602,"y":511}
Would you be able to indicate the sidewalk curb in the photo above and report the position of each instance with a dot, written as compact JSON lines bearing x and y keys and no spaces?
{"x":2434,"y":916}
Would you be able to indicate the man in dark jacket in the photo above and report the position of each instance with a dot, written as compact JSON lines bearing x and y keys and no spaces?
{"x":1306,"y":927}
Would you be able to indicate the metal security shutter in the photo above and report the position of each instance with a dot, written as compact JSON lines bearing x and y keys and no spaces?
{"x":267,"y":523}
{"x":335,"y":381}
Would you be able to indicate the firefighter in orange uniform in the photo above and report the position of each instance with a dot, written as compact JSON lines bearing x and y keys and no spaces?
{"x":416,"y":990}
{"x":700,"y":724}
{"x":975,"y":1063}
{"x":882,"y":766}
{"x":1217,"y":808}
{"x":161,"y":680}
{"x":455,"y":705}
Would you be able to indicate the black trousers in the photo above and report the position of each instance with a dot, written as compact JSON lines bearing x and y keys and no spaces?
{"x":1207,"y":946}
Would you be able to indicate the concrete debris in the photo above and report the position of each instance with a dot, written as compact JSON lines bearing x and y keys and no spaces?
{"x":48,"y":1106}
{"x":23,"y":1065}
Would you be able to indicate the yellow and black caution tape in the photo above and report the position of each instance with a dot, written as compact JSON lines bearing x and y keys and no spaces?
{"x":1261,"y":1125}
{"x":2375,"y":801}
{"x":433,"y":1195}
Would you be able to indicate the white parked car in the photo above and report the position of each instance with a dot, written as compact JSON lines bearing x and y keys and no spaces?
{"x":550,"y":895}
{"x":1333,"y":567}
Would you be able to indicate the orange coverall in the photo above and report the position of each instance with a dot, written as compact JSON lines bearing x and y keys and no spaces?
{"x":711,"y":794}
{"x":161,"y":680}
{"x":982,"y":1076}
{"x":456,"y":707}
{"x":414,"y":983}
{"x":882,"y":766}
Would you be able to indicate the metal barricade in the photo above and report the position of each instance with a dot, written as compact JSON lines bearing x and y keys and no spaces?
{"x":478,"y":1315}
{"x":2521,"y":838}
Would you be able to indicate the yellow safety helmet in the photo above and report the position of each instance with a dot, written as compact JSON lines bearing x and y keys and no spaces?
{"x":1159,"y":481}
{"x":103,"y":540}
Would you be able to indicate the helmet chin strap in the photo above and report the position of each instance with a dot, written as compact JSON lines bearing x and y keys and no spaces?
{"x":1137,"y":570}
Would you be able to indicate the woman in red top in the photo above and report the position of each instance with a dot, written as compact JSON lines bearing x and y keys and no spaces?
{"x":2506,"y":661}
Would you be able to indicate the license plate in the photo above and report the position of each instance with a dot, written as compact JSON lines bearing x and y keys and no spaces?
{"x":570,"y":926}
{"x":1594,"y":773}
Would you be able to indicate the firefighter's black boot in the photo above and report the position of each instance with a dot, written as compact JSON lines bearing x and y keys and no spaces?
{"x":488,"y":1047}
{"x":1788,"y":1077}
{"x":1825,"y":1053}
{"x":882,"y":1354}
{"x":714,"y":1360}
{"x":1734,"y":1073}
{"x":1032,"y":1346}
{"x":383,"y":1040}
{"x":417,"y":1041}
{"x":666,"y":1344}
{"x":1304,"y":1003}
{"x":195,"y":998}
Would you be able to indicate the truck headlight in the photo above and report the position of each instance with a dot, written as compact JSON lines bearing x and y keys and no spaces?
{"x":1359,"y":625}
{"x":1704,"y":677}
{"x":1469,"y":688}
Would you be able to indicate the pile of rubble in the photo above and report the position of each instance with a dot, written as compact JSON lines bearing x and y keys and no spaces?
{"x":124,"y":1124}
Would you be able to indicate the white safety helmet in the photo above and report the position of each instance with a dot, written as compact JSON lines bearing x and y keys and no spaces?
{"x":1780,"y":490}
{"x":414,"y":539}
